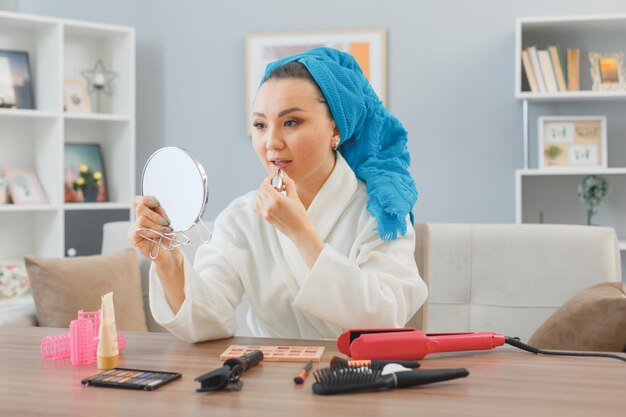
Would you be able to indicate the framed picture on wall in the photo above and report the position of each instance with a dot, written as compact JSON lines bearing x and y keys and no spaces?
{"x":15,"y":80}
{"x":368,"y":46}
{"x":572,"y":142}
{"x":84,"y":179}
{"x":24,"y":186}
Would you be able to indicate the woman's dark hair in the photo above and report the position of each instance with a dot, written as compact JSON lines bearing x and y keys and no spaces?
{"x":298,"y":71}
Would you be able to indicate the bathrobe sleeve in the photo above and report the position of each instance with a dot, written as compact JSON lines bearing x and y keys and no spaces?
{"x":213,"y":290}
{"x":378,"y":287}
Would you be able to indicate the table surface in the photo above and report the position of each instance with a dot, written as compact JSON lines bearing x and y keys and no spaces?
{"x":504,"y":381}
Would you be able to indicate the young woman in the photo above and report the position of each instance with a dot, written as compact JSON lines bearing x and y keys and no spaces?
{"x":334,"y":250}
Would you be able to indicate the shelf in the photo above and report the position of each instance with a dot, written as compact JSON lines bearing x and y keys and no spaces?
{"x":604,"y":22}
{"x":59,"y":50}
{"x":571,"y":171}
{"x":24,"y":113}
{"x":97,"y":117}
{"x":97,"y":206}
{"x":26,"y":207}
{"x":572,"y":96}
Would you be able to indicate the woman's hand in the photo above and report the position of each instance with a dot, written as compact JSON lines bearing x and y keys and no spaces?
{"x":150,"y":215}
{"x":289,"y":216}
{"x":169,"y":264}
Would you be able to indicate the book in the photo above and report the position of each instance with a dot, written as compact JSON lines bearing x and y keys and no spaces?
{"x":558,"y":69}
{"x":563,"y":59}
{"x":534,"y":60}
{"x":547,"y":71}
{"x":573,"y":69}
{"x":528,"y":70}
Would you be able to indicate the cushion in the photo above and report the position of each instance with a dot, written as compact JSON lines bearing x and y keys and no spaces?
{"x":63,"y":286}
{"x":594,"y":319}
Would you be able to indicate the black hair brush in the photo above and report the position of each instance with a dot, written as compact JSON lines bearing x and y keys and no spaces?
{"x":343,"y":380}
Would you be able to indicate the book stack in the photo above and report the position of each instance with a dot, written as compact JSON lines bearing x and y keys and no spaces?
{"x":549,"y":71}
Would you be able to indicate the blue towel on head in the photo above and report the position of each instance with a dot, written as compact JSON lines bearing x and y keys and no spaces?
{"x":373,"y":141}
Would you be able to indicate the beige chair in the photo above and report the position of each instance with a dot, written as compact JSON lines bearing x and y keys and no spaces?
{"x":508,"y":278}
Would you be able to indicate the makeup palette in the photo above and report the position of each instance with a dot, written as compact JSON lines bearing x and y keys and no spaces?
{"x":277,"y":353}
{"x":131,"y":379}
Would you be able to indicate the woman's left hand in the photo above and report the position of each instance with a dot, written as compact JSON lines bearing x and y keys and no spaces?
{"x":288,"y":215}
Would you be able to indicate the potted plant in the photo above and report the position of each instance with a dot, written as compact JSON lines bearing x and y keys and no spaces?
{"x":88,"y":182}
{"x":593,"y":191}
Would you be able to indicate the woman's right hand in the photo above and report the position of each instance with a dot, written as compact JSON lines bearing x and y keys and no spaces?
{"x":150,"y":215}
{"x":169,"y":263}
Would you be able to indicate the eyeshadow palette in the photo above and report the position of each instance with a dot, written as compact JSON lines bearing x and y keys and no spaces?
{"x":277,"y":353}
{"x":131,"y":379}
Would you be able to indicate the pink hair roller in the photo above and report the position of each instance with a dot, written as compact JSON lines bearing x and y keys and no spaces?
{"x":56,"y":347}
{"x":81,"y":343}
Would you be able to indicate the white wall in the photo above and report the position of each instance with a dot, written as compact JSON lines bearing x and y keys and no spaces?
{"x":450,"y":82}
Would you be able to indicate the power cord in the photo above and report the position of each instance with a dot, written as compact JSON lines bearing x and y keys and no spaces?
{"x":514,"y":341}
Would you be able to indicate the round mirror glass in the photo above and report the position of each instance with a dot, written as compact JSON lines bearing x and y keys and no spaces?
{"x":179,"y":182}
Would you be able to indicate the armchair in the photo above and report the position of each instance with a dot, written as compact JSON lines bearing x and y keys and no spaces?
{"x":510,"y":278}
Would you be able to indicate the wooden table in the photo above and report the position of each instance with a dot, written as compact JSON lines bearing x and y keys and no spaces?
{"x":503,"y":382}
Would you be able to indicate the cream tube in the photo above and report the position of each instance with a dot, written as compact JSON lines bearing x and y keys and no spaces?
{"x":108,"y":353}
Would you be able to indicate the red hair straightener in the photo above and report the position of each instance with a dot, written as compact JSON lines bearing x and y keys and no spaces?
{"x":410,"y":344}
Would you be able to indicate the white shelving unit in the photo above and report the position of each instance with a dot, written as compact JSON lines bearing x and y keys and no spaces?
{"x":59,"y":49}
{"x":550,"y":196}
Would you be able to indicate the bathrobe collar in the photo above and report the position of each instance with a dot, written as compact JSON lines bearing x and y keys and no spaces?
{"x":333,"y":198}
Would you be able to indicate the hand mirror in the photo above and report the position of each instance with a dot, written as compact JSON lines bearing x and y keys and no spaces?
{"x":178,"y":181}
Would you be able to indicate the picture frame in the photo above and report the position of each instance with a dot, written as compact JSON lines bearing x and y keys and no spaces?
{"x":16,"y":91}
{"x":607,"y":71}
{"x":368,"y":46}
{"x":24,"y":186}
{"x":84,"y":160}
{"x":75,"y":97}
{"x":572,"y":142}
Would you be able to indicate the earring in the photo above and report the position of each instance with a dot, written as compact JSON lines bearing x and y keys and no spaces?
{"x":334,"y":146}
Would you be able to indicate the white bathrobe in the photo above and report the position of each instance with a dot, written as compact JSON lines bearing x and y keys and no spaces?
{"x":357,"y":281}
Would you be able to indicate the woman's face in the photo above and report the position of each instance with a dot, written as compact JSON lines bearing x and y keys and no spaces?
{"x":292,"y":131}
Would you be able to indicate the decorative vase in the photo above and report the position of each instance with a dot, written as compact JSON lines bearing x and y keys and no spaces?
{"x":90,"y":195}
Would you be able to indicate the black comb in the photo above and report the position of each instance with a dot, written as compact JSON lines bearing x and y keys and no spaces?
{"x":343,"y":380}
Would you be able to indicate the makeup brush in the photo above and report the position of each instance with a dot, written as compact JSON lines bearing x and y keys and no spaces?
{"x":343,"y":380}
{"x":337,"y":362}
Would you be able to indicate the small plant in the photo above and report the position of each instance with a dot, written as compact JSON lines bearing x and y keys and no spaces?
{"x":87,"y":180}
{"x":593,"y":191}
{"x":553,"y":152}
